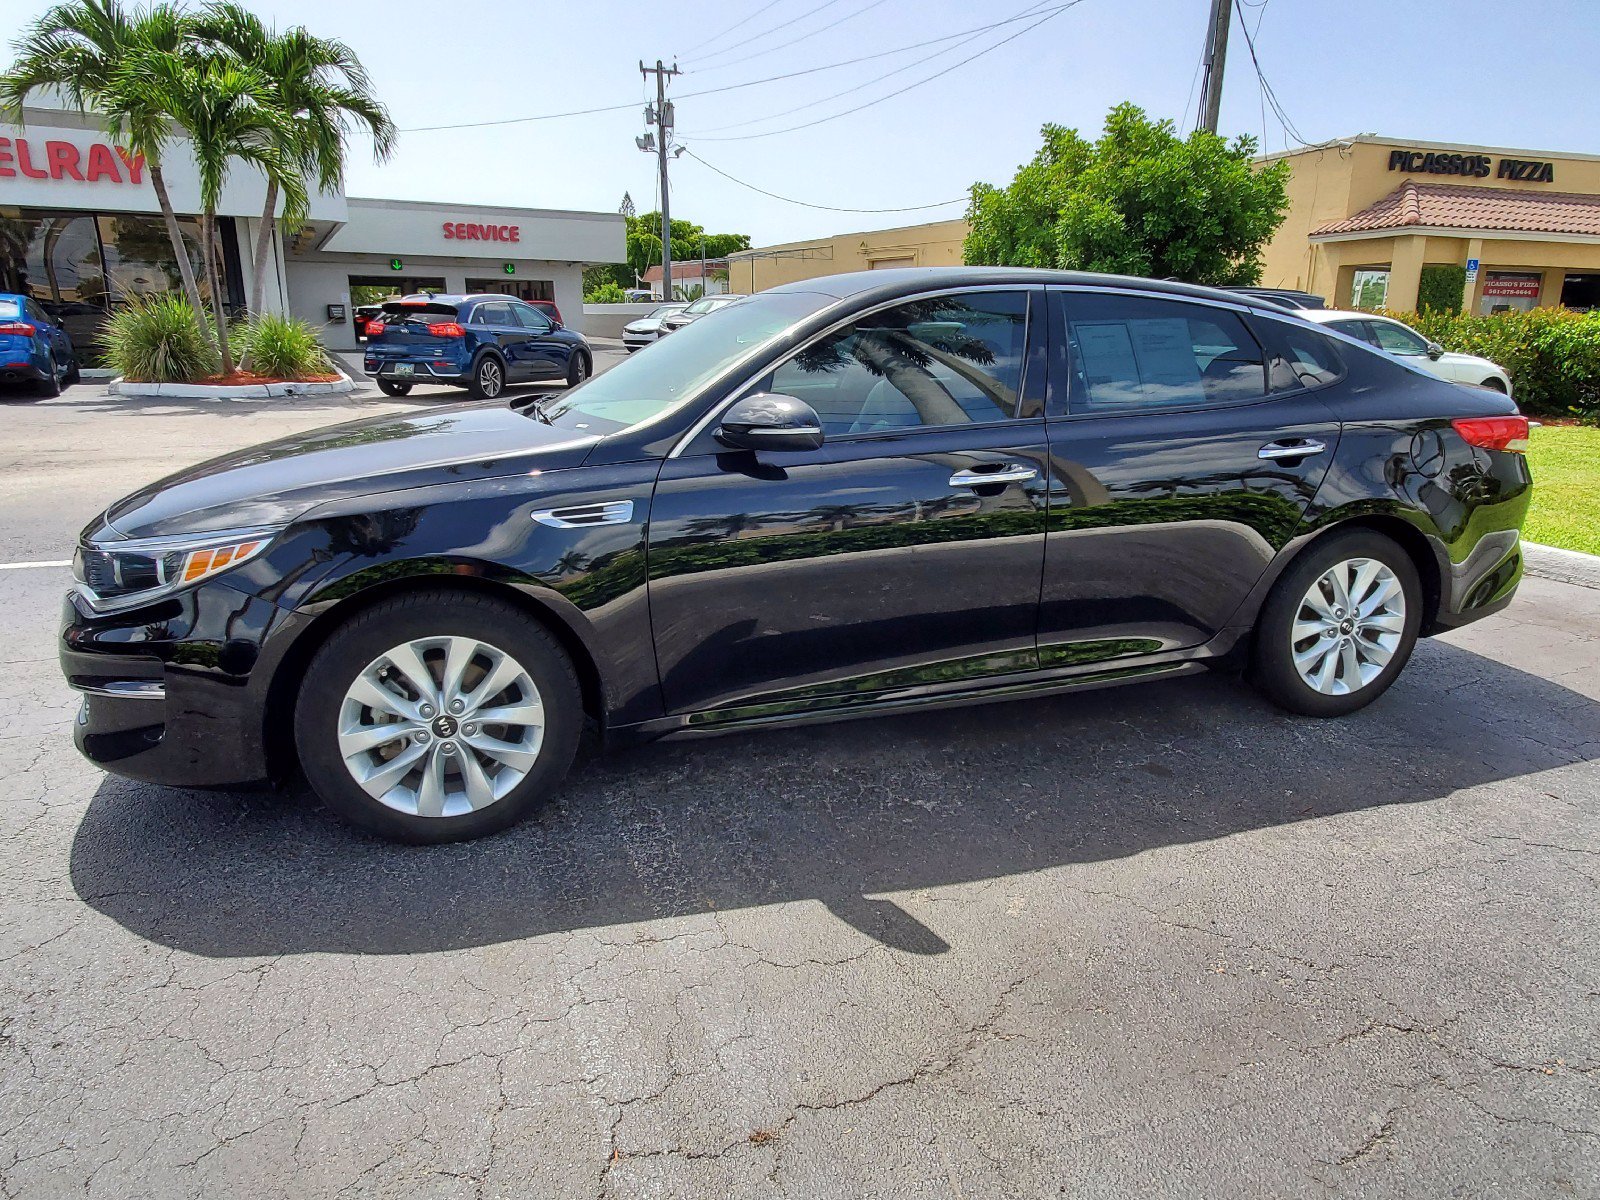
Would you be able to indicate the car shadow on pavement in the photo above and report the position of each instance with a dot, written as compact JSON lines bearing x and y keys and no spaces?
{"x":838,"y":813}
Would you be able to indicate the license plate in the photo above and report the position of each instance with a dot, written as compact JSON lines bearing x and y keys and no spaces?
{"x":405,"y":369}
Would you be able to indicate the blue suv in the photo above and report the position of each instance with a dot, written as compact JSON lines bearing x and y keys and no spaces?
{"x":33,"y":348}
{"x":481,"y":343}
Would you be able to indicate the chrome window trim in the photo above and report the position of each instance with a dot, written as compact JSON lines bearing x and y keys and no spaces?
{"x":743,"y":389}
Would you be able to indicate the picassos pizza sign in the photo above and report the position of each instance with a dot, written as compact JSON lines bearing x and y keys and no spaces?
{"x":1478,"y":166}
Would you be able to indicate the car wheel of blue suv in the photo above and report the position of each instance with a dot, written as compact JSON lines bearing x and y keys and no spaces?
{"x":488,"y":377}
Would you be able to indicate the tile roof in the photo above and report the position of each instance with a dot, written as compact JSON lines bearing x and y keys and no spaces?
{"x":687,"y":268}
{"x":1452,"y":206}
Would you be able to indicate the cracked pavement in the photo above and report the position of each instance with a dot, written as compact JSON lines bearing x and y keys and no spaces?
{"x":1157,"y":940}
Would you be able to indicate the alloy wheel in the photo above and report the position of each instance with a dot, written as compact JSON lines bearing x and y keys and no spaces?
{"x":1348,"y":626}
{"x":490,"y":379}
{"x":441,"y":726}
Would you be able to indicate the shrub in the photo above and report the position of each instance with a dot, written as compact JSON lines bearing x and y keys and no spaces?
{"x":156,"y":339}
{"x":1551,"y":354}
{"x":606,"y":292}
{"x":281,"y":348}
{"x":1440,"y":288}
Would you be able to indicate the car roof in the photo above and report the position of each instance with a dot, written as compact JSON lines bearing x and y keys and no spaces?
{"x":1345,"y":314}
{"x":895,"y":281}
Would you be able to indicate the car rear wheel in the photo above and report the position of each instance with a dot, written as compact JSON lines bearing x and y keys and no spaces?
{"x":488,"y":378}
{"x":437,"y":718}
{"x":74,"y":374}
{"x":50,"y":386}
{"x":1339,"y":625}
{"x":390,"y":388}
{"x":577,"y":369}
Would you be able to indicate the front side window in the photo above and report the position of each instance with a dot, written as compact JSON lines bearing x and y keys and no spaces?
{"x":945,"y":360}
{"x":531,"y":318}
{"x":1135,"y":353}
{"x":1360,"y":330}
{"x":1397,"y":339}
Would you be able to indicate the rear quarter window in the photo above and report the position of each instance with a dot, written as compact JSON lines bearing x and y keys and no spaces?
{"x":1299,"y":356}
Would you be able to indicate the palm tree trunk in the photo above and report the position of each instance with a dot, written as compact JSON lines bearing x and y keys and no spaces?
{"x":258,"y":282}
{"x":214,"y":280}
{"x":191,"y":289}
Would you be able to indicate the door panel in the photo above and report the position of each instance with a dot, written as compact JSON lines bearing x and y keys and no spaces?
{"x":845,"y":570}
{"x":1163,"y":518}
{"x":545,"y":353}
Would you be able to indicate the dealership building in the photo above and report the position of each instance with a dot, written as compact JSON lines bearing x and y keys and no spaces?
{"x":80,"y":231}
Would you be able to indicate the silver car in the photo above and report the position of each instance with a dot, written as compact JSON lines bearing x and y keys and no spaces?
{"x":648,"y":328}
{"x":700,"y":308}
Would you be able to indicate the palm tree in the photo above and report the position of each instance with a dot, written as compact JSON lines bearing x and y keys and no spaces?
{"x":320,"y":86}
{"x":79,"y":48}
{"x":230,"y":113}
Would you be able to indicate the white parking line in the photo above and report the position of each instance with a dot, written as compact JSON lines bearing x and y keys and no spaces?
{"x":23,"y":566}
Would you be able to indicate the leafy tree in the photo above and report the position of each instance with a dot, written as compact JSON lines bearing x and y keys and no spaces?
{"x":689,"y":241}
{"x":1139,"y":201}
{"x":79,"y":48}
{"x":322,"y":91}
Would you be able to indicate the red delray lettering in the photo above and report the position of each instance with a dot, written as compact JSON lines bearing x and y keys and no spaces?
{"x":63,"y":158}
{"x":6,"y":171}
{"x":25,"y":164}
{"x":134,"y":163}
{"x":102,"y":164}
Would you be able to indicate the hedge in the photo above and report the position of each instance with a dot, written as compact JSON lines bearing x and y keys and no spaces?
{"x":1551,"y":354}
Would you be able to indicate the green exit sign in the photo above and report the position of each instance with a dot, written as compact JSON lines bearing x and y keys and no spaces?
{"x":396,"y":265}
{"x":509,"y":268}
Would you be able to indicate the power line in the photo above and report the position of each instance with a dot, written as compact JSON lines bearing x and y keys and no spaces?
{"x":822,"y":207}
{"x":756,"y":37}
{"x":1266,"y":88}
{"x":732,"y":87}
{"x":741,"y":21}
{"x":1050,"y":15}
{"x":804,"y":37}
{"x":912,"y":65}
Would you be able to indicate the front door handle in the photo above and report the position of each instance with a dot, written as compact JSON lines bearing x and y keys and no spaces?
{"x":1296,"y":449}
{"x":1010,"y":473}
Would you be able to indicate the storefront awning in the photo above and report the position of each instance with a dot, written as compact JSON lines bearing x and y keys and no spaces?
{"x":1471,"y":210}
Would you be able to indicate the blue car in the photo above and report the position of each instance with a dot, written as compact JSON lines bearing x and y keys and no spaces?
{"x":482,"y":343}
{"x":34,"y":349}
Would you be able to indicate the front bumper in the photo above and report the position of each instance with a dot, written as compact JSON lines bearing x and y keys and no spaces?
{"x":170,"y":694}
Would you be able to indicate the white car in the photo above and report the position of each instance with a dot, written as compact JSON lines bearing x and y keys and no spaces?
{"x":1397,"y":338}
{"x":648,"y":328}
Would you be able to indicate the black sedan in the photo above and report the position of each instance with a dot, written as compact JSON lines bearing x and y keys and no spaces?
{"x":843,"y":497}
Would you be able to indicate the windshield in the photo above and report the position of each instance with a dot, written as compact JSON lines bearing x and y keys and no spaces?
{"x":700,"y":306}
{"x":645,"y":387}
{"x":664,"y":310}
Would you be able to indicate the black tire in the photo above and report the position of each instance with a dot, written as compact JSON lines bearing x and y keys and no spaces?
{"x":74,"y":375}
{"x":1273,"y":668}
{"x":373,"y":633}
{"x":579,"y":368}
{"x":488,"y":378}
{"x":390,"y":388}
{"x":49,"y":387}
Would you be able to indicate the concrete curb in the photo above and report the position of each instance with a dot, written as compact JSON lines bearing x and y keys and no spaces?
{"x":256,"y":391}
{"x":1566,"y":566}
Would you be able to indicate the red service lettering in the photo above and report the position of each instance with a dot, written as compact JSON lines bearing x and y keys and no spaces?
{"x":462,"y":231}
{"x":516,"y":233}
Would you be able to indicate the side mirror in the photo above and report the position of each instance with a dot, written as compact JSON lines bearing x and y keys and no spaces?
{"x":768,"y":421}
{"x":1435,"y":351}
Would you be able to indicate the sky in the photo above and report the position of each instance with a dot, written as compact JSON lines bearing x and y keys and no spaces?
{"x":1480,"y":72}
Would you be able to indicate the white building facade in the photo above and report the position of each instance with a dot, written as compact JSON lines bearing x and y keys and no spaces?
{"x":80,"y":232}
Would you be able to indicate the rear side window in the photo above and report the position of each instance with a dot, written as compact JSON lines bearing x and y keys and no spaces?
{"x":1299,"y":356}
{"x":1135,"y":354}
{"x":492,"y":314}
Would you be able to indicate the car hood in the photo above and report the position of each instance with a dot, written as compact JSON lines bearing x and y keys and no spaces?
{"x":642,"y":325}
{"x":276,"y":482}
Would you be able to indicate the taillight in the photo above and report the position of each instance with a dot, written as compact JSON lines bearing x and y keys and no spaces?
{"x":1494,"y":433}
{"x":374,"y":328}
{"x":447,"y":329}
{"x":18,"y":329}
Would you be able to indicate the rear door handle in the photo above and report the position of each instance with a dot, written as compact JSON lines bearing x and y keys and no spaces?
{"x":1297,"y":449}
{"x":1010,"y":473}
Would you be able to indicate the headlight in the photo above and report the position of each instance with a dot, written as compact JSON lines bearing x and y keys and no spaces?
{"x":123,"y":574}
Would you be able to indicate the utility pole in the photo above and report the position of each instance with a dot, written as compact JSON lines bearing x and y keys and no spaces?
{"x":660,"y":115}
{"x":1215,"y":58}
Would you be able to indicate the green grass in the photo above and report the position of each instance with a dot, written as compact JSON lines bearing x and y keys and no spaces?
{"x":1565,"y":461}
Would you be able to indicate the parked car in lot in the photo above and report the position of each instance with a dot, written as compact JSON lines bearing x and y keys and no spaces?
{"x":35,"y":351}
{"x":482,"y":343}
{"x":852,"y":495}
{"x":1283,"y":297}
{"x":548,"y":308}
{"x":647,"y":328}
{"x":363,"y":316}
{"x":691,"y":313}
{"x":1398,"y":338}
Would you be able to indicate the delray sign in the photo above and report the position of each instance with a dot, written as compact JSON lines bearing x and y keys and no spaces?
{"x":53,"y":158}
{"x":1478,"y":166}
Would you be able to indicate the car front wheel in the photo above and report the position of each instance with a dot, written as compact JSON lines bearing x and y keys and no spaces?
{"x":1339,"y":625}
{"x":577,"y":369}
{"x":438,"y":718}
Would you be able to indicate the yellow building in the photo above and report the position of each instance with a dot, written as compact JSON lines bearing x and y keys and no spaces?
{"x":934,"y":245}
{"x":1368,"y":214}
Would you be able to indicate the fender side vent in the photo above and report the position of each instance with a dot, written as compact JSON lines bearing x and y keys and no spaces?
{"x":579,"y":516}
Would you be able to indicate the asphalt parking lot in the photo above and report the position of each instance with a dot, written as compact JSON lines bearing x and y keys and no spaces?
{"x":1162,"y":940}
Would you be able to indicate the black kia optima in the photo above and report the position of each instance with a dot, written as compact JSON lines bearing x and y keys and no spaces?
{"x":847,"y":496}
